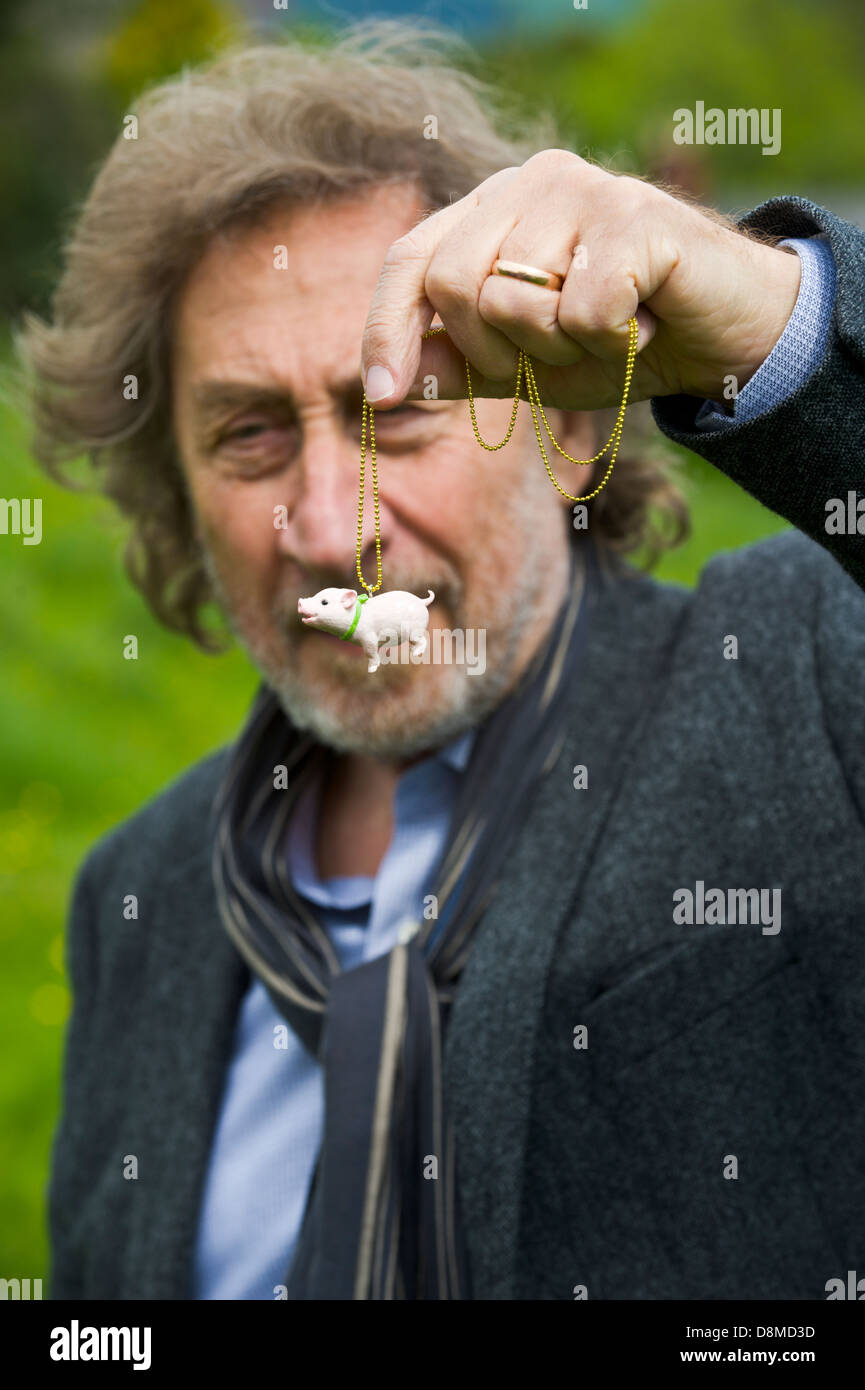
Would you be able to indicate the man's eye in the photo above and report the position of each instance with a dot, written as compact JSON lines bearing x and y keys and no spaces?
{"x":253,"y":448}
{"x":249,"y":431}
{"x":406,"y":415}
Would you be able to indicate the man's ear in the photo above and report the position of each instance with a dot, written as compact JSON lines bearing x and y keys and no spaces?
{"x":348,"y":597}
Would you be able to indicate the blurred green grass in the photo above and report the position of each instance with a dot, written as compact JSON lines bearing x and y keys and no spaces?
{"x":86,"y":737}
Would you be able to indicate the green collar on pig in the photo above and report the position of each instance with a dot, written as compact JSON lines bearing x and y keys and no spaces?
{"x":362,"y":599}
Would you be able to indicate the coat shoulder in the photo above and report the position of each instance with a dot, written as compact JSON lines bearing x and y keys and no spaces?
{"x":172,"y":828}
{"x":787,"y":555}
{"x":786,"y":574}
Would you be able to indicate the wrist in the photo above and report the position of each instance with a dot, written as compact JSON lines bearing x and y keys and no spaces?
{"x":778,"y":277}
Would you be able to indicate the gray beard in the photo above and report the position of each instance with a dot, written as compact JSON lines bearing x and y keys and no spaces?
{"x":398,"y":712}
{"x":467,"y":702}
{"x":401,"y":721}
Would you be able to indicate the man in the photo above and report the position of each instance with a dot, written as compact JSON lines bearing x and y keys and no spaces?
{"x":540,"y":981}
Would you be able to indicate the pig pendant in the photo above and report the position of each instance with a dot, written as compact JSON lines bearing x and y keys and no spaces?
{"x":383,"y":620}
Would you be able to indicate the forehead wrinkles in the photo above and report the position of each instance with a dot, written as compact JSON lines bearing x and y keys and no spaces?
{"x":224,"y":370}
{"x":332,"y":259}
{"x":256,"y":341}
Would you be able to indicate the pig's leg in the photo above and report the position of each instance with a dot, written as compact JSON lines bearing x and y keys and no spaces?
{"x":370,"y":647}
{"x":418,"y":645}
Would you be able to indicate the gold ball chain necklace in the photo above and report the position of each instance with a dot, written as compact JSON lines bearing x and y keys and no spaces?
{"x":524,"y":365}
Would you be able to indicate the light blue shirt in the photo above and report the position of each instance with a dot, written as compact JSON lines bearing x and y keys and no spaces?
{"x":799,"y":349}
{"x":270,"y":1124}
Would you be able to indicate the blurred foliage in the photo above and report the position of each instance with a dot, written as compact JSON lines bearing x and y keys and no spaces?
{"x":53,"y":129}
{"x":161,"y":36}
{"x":616,"y":90}
{"x":68,"y":80}
{"x":85,"y":738}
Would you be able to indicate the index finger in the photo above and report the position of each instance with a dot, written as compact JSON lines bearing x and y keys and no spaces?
{"x":400,"y":312}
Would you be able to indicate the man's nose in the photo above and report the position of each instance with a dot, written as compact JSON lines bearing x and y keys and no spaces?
{"x":321,"y":524}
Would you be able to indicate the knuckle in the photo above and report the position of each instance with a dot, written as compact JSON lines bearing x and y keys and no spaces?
{"x":647,"y":200}
{"x":585,"y":320}
{"x":554,"y":161}
{"x":637,"y":191}
{"x":491,"y":184}
{"x":407,"y":248}
{"x":444,"y":286}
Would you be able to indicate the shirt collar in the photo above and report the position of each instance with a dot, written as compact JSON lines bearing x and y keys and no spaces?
{"x":457,"y":753}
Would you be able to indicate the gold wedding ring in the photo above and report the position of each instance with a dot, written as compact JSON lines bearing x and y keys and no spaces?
{"x":532,"y":274}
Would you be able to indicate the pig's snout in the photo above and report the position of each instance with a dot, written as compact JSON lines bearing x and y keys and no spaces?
{"x":305,"y":610}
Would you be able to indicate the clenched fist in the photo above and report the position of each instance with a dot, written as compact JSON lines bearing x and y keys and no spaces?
{"x":710,"y":301}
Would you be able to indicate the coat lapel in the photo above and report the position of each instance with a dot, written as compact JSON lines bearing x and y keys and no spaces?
{"x":195,"y":981}
{"x":490,"y":1042}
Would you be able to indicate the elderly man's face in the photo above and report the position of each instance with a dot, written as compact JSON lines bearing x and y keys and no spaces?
{"x":267,"y":416}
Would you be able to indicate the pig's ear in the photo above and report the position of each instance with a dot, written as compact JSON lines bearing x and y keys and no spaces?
{"x":348,"y":597}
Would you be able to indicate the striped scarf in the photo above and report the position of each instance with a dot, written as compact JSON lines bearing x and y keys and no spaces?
{"x":382,"y":1219}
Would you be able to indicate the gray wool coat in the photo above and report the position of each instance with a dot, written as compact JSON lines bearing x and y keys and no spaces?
{"x":706,"y":1141}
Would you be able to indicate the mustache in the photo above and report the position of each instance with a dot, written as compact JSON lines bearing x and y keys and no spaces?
{"x":447,"y":586}
{"x":448,"y":591}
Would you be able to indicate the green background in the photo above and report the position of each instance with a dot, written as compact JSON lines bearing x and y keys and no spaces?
{"x":86,"y":736}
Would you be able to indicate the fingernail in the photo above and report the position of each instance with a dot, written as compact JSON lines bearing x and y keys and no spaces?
{"x":379,"y":383}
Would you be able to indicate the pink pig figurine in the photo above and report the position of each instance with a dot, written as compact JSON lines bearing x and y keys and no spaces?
{"x":383,"y":620}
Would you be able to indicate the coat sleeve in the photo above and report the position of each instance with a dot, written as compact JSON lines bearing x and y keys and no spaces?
{"x":810,"y":447}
